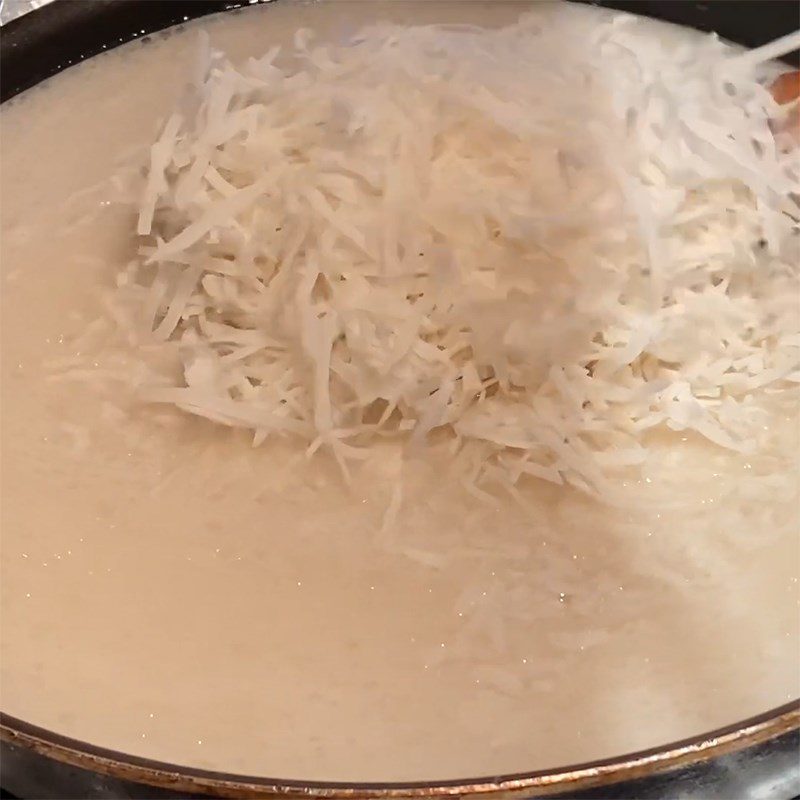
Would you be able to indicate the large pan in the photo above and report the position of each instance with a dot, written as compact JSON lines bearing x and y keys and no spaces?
{"x":755,"y":758}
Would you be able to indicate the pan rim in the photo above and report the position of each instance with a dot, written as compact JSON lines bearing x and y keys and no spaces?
{"x":784,"y":719}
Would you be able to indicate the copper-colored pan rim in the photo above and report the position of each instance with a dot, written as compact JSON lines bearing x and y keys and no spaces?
{"x":723,"y":741}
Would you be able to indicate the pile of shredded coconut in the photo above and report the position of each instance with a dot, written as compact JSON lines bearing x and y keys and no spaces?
{"x":533,"y":245}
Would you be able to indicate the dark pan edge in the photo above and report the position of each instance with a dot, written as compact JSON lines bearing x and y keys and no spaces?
{"x":698,"y":750}
{"x":44,"y":42}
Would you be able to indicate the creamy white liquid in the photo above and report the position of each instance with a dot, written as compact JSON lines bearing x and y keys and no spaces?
{"x":171,"y":592}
